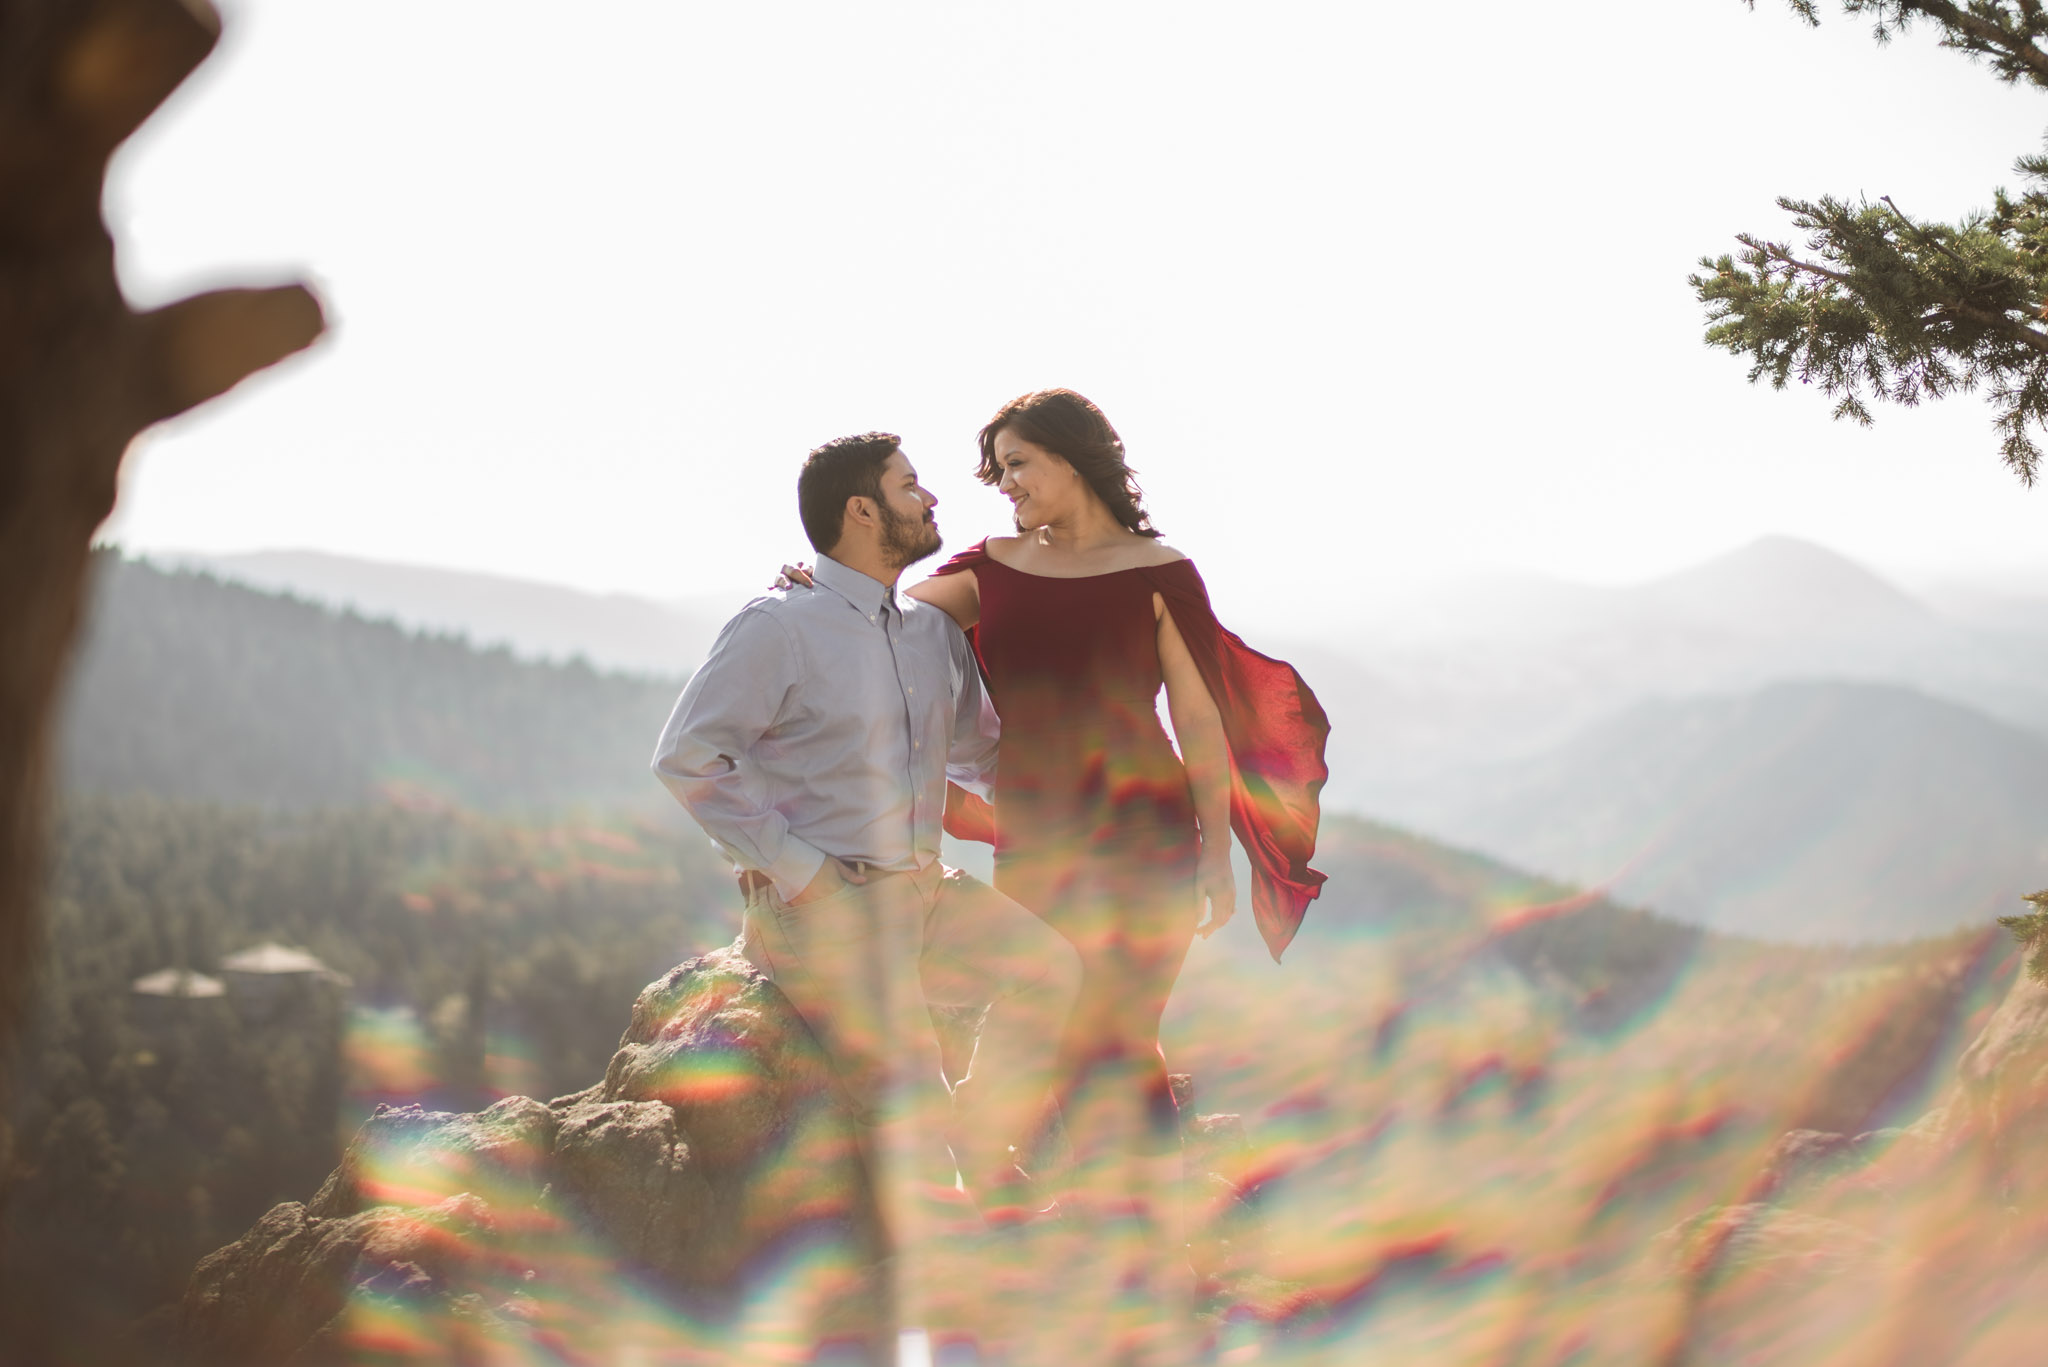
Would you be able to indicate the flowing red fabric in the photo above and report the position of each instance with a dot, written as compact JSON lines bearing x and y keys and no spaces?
{"x":1276,"y":731}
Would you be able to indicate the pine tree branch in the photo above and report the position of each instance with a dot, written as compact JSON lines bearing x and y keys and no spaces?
{"x":2018,"y":332}
{"x":1776,"y":253}
{"x":2008,"y":39}
{"x":2030,"y":930}
{"x":1919,"y":232}
{"x":1888,"y":309}
{"x":1984,"y":37}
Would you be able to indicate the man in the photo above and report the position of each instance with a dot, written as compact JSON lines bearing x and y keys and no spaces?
{"x":814,"y":747}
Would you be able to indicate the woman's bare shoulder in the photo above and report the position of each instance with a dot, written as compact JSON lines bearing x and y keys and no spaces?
{"x":1002,"y":549}
{"x":1157,"y":553}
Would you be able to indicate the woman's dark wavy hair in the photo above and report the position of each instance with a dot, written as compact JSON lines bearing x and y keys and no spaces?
{"x":1064,"y":423}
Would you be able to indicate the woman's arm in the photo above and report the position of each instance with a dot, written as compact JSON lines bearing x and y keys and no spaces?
{"x":1198,"y":726}
{"x":958,"y":594}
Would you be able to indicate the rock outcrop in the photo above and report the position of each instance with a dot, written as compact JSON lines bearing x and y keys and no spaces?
{"x":1992,"y":1124}
{"x":1758,"y":1237}
{"x":713,"y":1172}
{"x":1804,"y":1158}
{"x":2001,"y":1093}
{"x":715,"y":1141}
{"x":1907,"y":1245}
{"x":279,"y":1293}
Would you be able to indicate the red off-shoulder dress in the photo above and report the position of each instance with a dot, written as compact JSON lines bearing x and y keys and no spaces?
{"x":1086,"y":775}
{"x":1094,"y":824}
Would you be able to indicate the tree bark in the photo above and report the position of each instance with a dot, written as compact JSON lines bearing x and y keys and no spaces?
{"x":80,"y":372}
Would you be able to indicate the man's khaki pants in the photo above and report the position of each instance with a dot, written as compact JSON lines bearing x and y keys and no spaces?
{"x":864,"y":966}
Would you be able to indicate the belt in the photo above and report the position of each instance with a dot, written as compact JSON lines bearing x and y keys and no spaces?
{"x":753,"y":882}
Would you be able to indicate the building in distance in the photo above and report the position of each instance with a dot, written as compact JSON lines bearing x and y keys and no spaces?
{"x":269,"y":978}
{"x":169,"y":994}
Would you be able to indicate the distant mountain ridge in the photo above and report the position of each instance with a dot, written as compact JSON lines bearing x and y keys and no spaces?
{"x":1777,"y":742}
{"x":189,"y":687}
{"x":1773,"y":586}
{"x":1808,"y":811}
{"x":534,"y":620}
{"x":1505,"y":670}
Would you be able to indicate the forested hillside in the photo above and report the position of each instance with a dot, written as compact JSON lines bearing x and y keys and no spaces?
{"x":190,"y":687}
{"x":482,"y":957}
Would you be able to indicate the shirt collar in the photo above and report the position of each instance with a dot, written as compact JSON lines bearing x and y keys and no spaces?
{"x":868,"y":595}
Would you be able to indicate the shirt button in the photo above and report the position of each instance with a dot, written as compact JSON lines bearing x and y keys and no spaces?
{"x":911,"y":689}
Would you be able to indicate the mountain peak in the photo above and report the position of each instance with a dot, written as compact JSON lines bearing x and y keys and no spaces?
{"x":1781,"y":583}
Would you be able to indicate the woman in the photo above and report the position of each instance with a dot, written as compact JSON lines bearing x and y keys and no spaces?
{"x":1098,"y":826}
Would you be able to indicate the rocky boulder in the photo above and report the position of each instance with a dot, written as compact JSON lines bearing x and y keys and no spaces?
{"x":2002,"y":1080}
{"x":281,"y":1293}
{"x":1803,"y":1160}
{"x":719,"y":1047}
{"x":414,"y":1157}
{"x":1992,"y":1125}
{"x":625,"y":1168}
{"x":714,"y":1172}
{"x":1757,"y":1283}
{"x":1789,"y":1247}
{"x":715,"y":1146}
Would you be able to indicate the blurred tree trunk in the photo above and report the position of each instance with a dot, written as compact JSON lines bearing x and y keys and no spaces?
{"x":80,"y":372}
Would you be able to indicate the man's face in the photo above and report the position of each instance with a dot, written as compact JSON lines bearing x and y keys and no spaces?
{"x":909,"y":531}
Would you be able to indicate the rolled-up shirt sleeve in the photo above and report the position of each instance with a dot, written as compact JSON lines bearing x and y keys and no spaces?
{"x":727,"y":707}
{"x":971,"y":757}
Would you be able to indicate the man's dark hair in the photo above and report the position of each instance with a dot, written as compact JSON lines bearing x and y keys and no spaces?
{"x":843,"y":468}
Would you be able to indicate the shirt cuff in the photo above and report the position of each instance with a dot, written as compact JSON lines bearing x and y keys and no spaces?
{"x":980,"y":782}
{"x":794,"y":868}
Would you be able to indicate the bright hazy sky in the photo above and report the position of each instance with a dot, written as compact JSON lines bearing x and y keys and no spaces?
{"x":1368,"y":289}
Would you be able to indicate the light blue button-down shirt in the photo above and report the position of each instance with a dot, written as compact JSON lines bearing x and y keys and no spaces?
{"x":826,"y":722}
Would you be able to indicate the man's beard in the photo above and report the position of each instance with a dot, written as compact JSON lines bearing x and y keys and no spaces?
{"x":907,"y":540}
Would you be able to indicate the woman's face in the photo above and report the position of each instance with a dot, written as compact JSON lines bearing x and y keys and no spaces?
{"x":1041,"y":487}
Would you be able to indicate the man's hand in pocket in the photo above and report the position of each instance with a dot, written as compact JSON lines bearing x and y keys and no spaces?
{"x":830,"y":878}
